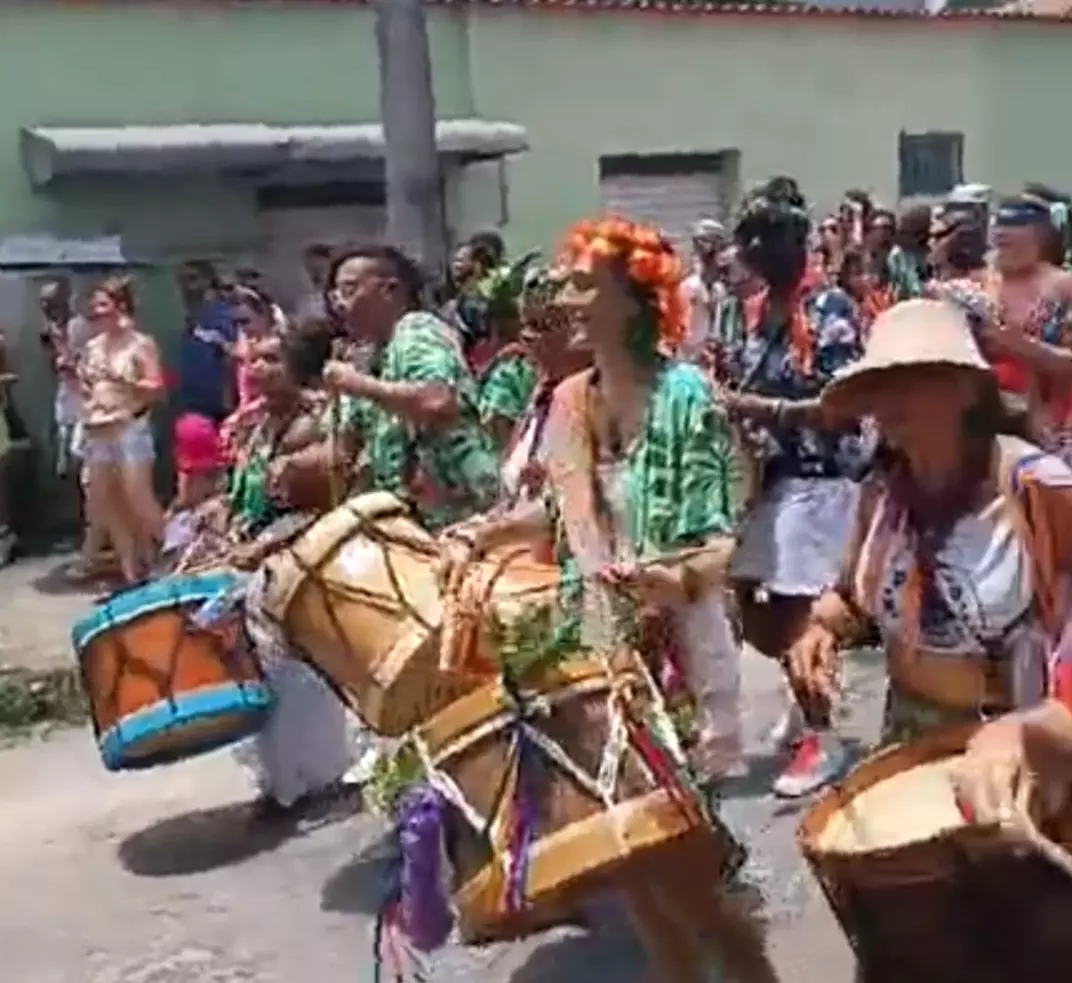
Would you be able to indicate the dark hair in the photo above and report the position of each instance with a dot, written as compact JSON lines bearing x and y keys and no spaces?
{"x":772,"y":232}
{"x":255,"y":300}
{"x":914,"y":228}
{"x":857,"y":196}
{"x":488,"y":248}
{"x":307,"y":348}
{"x":120,"y":290}
{"x":853,"y":262}
{"x":966,"y":246}
{"x":390,"y":262}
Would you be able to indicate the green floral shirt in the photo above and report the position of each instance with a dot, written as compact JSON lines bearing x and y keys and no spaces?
{"x":448,"y":473}
{"x":507,"y":389}
{"x":678,"y":476}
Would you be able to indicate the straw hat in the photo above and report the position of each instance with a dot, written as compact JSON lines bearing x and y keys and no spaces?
{"x":912,"y":334}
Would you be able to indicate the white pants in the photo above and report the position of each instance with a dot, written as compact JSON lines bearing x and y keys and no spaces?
{"x":305,"y":746}
{"x":712,"y":667}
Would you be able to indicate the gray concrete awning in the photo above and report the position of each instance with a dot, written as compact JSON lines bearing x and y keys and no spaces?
{"x":45,"y":252}
{"x":49,"y":153}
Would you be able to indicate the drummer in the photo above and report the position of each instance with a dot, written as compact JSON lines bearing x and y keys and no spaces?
{"x":638,"y":466}
{"x":638,"y":461}
{"x":303,"y":753}
{"x":415,"y":419}
{"x":963,"y":538}
{"x":506,"y":375}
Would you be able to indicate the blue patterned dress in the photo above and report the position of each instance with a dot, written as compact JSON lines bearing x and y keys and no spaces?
{"x":794,"y":536}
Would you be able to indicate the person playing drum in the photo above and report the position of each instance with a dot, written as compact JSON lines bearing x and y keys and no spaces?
{"x":303,"y":752}
{"x":963,"y":537}
{"x":414,"y":421}
{"x":638,"y":459}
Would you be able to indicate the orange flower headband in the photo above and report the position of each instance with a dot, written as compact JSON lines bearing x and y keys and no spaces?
{"x":650,"y":262}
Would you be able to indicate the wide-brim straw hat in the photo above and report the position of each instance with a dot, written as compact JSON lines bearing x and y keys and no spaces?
{"x":914,"y":334}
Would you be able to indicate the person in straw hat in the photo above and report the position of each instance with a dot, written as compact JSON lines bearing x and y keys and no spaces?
{"x":963,"y":536}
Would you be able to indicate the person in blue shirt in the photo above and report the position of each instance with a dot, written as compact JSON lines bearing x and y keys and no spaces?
{"x":205,"y":382}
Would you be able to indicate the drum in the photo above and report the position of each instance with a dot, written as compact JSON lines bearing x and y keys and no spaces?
{"x":573,"y":784}
{"x":496,"y":593}
{"x":923,"y":895}
{"x":160,"y":686}
{"x":357,"y":594}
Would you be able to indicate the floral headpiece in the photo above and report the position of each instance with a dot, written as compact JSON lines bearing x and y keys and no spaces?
{"x":540,"y":289}
{"x":649,"y":260}
{"x":500,"y":291}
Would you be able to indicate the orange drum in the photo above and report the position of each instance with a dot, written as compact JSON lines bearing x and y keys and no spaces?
{"x":161,"y":686}
{"x":922,"y":894}
{"x":590,"y":749}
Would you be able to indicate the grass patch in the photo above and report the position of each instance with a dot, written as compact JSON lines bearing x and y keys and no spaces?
{"x":28,"y":699}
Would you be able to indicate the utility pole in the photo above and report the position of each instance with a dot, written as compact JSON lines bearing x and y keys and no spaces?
{"x":415,"y":215}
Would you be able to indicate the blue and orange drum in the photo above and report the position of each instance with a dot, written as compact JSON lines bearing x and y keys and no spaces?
{"x":164,"y":685}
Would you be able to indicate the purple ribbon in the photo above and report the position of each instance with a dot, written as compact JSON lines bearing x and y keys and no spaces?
{"x":423,"y":909}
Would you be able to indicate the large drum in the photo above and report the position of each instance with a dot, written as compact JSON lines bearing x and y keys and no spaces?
{"x":359,"y":595}
{"x":573,"y":784}
{"x":161,"y":686}
{"x":925,"y":896}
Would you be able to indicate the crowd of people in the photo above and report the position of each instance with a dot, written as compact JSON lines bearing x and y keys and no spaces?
{"x":827,"y":432}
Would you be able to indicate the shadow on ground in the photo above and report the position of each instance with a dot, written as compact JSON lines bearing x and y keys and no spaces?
{"x":200,"y":841}
{"x":360,"y":886}
{"x":64,"y":579}
{"x":608,"y":951}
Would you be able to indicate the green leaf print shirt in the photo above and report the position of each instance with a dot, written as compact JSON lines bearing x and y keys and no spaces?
{"x":677,"y":476}
{"x":448,"y":473}
{"x":507,"y":388}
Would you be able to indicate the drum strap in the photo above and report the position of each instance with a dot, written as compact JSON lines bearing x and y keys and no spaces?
{"x":509,"y":827}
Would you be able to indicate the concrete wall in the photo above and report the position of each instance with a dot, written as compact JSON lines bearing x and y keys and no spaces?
{"x":822,"y":98}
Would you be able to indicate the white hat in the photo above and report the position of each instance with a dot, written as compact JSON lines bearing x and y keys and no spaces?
{"x":912,"y":334}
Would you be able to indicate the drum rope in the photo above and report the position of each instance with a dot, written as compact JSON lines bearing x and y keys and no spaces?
{"x":507,"y":829}
{"x":465,"y":608}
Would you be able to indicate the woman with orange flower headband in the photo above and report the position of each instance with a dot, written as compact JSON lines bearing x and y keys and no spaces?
{"x":797,"y":334}
{"x":639,"y":469}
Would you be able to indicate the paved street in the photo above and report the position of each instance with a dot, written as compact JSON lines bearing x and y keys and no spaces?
{"x":155,"y":877}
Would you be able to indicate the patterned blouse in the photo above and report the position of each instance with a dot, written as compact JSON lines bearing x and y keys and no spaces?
{"x":448,"y":473}
{"x":677,"y":474}
{"x":670,"y":489}
{"x":506,"y":388}
{"x":795,"y":363}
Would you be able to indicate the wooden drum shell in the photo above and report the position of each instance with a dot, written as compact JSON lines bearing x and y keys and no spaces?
{"x":962,"y":905}
{"x":357,"y":595}
{"x":582,"y":844}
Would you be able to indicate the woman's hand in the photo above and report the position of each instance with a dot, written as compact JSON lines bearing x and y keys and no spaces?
{"x":650,"y":585}
{"x":1017,"y":766}
{"x":813,"y":669}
